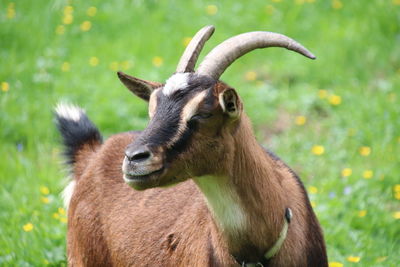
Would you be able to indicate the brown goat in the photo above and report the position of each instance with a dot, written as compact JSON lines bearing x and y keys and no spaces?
{"x":207,"y":194}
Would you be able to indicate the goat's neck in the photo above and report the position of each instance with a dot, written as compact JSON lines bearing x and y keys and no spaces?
{"x":247,"y":202}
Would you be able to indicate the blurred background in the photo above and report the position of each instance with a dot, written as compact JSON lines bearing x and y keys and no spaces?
{"x":335,"y":120}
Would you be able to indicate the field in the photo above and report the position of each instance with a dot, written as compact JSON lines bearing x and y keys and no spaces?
{"x":335,"y":120}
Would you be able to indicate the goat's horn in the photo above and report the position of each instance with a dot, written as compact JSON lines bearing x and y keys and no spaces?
{"x":192,"y":51}
{"x":219,"y":59}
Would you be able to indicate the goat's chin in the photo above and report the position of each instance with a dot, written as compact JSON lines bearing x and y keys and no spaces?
{"x":143,"y":182}
{"x":155,"y":179}
{"x":139,"y":185}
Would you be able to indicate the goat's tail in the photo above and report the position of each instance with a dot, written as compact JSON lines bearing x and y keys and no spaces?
{"x":80,"y":136}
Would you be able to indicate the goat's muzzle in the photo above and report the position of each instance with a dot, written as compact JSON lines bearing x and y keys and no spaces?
{"x":142,"y":167}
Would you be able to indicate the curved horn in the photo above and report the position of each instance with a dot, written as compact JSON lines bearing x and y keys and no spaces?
{"x":219,"y":59}
{"x":192,"y":51}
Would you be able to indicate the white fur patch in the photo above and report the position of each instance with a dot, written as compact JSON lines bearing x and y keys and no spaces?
{"x":176,"y":82}
{"x":188,"y":111}
{"x":153,"y":103}
{"x":69,"y":112}
{"x":192,"y":106}
{"x":223,"y":202}
{"x":67,"y":193}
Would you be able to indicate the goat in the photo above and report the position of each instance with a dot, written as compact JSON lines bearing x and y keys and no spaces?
{"x":206,"y":193}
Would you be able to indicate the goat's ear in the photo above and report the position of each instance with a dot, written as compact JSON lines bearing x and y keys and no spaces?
{"x":230,"y":102}
{"x":139,"y":87}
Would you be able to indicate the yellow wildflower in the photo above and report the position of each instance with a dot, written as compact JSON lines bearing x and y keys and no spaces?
{"x":392,"y":97}
{"x":300,"y":120}
{"x":365,"y":151}
{"x":381,"y":259}
{"x":351,"y":132}
{"x":114,"y":66}
{"x":11,"y":11}
{"x":322,"y":93}
{"x":68,"y":10}
{"x":250,"y":76}
{"x":60,"y":30}
{"x":63,"y":220}
{"x":335,"y":100}
{"x":313,"y":203}
{"x":346,"y":172}
{"x":337,"y":4}
{"x":93,"y":61}
{"x":44,"y":190}
{"x":362,"y":213}
{"x":45,"y":200}
{"x":353,"y":259}
{"x":269,"y":9}
{"x":186,"y":41}
{"x":313,"y":189}
{"x":86,"y":26}
{"x":65,"y":67}
{"x":46,"y":262}
{"x":91,"y":12}
{"x":396,"y":215}
{"x":56,"y":216}
{"x":61,"y":211}
{"x":28,"y":227}
{"x":367,"y":174}
{"x":68,"y":19}
{"x":5,"y":86}
{"x":157,"y":61}
{"x":318,"y":150}
{"x":211,"y":10}
{"x":396,"y":2}
{"x":335,"y":264}
{"x":396,"y":188}
{"x":125,"y":65}
{"x":397,"y":195}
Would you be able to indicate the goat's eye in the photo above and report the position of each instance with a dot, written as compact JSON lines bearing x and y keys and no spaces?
{"x":201,"y":115}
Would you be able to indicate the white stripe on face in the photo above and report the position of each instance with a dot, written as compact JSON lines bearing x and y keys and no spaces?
{"x":176,"y":82}
{"x":153,"y":103}
{"x":191,"y":107}
{"x":188,"y":111}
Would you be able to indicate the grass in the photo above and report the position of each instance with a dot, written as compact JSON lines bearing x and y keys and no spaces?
{"x":347,"y":99}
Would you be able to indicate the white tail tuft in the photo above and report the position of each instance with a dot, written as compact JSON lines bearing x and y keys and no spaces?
{"x":69,"y":112}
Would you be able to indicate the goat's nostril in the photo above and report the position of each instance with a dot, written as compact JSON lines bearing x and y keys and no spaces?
{"x":138,"y":155}
{"x":141,"y":156}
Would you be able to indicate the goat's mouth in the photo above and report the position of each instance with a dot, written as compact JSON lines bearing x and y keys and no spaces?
{"x":141,"y":182}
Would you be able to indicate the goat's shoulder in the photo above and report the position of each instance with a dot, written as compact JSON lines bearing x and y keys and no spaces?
{"x":304,"y":224}
{"x":287,"y":175}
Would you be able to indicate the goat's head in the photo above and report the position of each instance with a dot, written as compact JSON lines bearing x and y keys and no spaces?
{"x":193,"y":116}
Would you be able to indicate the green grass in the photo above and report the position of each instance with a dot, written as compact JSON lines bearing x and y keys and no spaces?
{"x":358,"y":59}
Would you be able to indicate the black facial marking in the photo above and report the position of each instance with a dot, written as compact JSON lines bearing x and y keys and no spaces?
{"x":182,"y":143}
{"x":164,"y":124}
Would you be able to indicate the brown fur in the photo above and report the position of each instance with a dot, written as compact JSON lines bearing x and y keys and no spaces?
{"x":110,"y":224}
